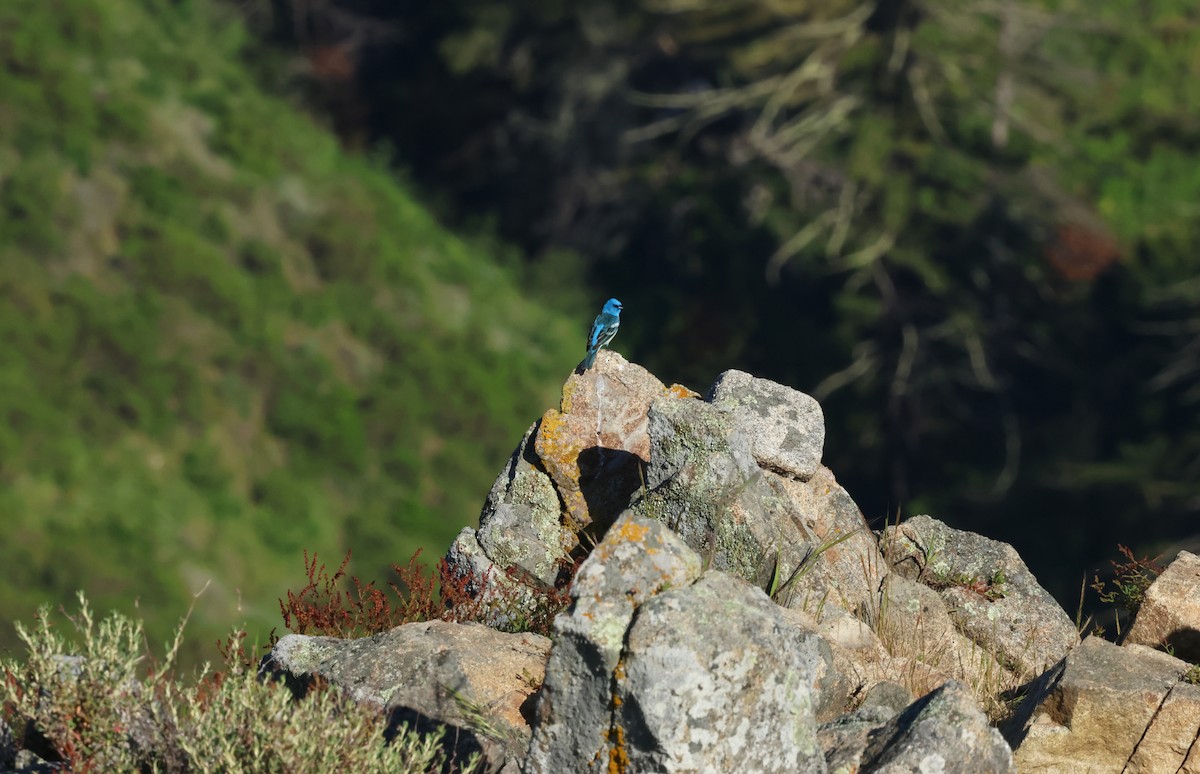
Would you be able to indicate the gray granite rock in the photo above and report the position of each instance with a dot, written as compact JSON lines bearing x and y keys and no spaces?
{"x":991,"y":595}
{"x":637,"y":559}
{"x":715,"y":680}
{"x":806,"y":541}
{"x":943,"y":732}
{"x":786,"y":427}
{"x":437,"y":670}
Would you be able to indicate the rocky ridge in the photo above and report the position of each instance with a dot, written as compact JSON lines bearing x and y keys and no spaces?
{"x":734,"y":611}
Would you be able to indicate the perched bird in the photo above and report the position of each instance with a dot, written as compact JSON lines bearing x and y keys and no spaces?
{"x":603,"y":330}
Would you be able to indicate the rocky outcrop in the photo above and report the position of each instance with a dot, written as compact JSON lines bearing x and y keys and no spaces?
{"x":806,"y":540}
{"x":637,"y":559}
{"x":989,"y":593}
{"x":658,"y":667}
{"x":786,"y":428}
{"x":733,"y":611}
{"x":1110,"y":708}
{"x":467,"y":676}
{"x":575,"y":470}
{"x":713,"y":679}
{"x":1169,"y":617}
{"x":945,"y":732}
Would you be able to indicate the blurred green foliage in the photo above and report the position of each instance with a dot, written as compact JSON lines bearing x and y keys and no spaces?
{"x":968,"y":227}
{"x":225,"y":339}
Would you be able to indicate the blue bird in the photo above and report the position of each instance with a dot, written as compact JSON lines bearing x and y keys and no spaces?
{"x":603,"y":330}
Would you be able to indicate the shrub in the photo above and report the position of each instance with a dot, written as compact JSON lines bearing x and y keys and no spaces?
{"x":103,"y":704}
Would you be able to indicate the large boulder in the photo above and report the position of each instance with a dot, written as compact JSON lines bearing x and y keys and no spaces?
{"x":993,"y":598}
{"x":946,"y":732}
{"x":1169,"y":617}
{"x":637,"y":559}
{"x":714,"y":679}
{"x":803,"y":540}
{"x":657,"y":668}
{"x":573,"y":472}
{"x":465,"y":675}
{"x":521,"y":522}
{"x":926,"y":647}
{"x":1110,"y":708}
{"x":786,"y":427}
{"x":595,"y":443}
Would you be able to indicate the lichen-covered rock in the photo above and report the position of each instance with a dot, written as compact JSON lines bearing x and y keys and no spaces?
{"x":1170,"y":613}
{"x":706,"y":486}
{"x":594,"y":444}
{"x":504,"y":599}
{"x":924,"y":642}
{"x":521,"y":522}
{"x":856,"y":656}
{"x":654,"y":670}
{"x":575,"y":469}
{"x":1110,"y":708}
{"x":713,"y":679}
{"x":991,"y":595}
{"x":828,"y":544}
{"x":943,"y":732}
{"x":844,"y":739}
{"x":441,"y":670}
{"x":786,"y":427}
{"x":806,"y":541}
{"x":637,"y":559}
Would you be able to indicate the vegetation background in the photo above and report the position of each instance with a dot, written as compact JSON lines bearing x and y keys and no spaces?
{"x":296,"y":274}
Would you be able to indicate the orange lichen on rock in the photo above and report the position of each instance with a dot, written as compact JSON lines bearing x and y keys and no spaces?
{"x":559,"y":451}
{"x":630,"y":531}
{"x":679,"y":391}
{"x":618,"y":755}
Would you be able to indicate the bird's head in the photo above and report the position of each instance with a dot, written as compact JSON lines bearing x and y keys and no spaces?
{"x":612,"y":306}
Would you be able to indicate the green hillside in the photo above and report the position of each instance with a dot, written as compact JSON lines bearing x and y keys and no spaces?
{"x":225,"y":340}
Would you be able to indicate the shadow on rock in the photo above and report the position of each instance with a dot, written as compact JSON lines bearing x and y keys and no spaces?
{"x":460,"y":744}
{"x":608,"y":479}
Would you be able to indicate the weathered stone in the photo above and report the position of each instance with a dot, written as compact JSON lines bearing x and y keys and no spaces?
{"x":828,"y":544}
{"x":806,"y":541}
{"x":844,"y":739}
{"x":855,"y":653}
{"x":521,"y":522}
{"x":991,"y":595}
{"x":593,"y":446}
{"x":925,"y":644}
{"x":1109,"y":708}
{"x":697,"y":471}
{"x":637,"y":559}
{"x":1170,"y":613}
{"x":945,"y":732}
{"x":887,"y":696}
{"x":786,"y":427}
{"x":504,"y":599}
{"x":444,"y":671}
{"x":713,"y":679}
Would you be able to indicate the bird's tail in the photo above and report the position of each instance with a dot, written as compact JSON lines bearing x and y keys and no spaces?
{"x":590,"y":360}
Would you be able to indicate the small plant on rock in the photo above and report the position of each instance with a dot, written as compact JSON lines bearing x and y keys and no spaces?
{"x":335,"y":605}
{"x":1126,"y":590}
